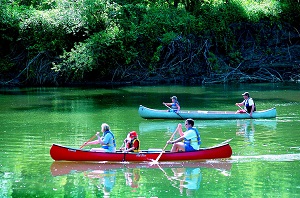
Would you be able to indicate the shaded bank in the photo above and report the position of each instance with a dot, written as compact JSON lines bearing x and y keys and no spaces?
{"x":150,"y":42}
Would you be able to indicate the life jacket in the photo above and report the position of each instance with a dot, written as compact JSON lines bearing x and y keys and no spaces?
{"x":188,"y":142}
{"x":174,"y":106}
{"x":248,"y":107}
{"x":131,"y":144}
{"x":106,"y":146}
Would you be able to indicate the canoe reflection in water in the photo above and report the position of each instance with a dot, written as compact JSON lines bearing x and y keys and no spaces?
{"x":171,"y":125}
{"x":185,"y":176}
{"x":63,"y":168}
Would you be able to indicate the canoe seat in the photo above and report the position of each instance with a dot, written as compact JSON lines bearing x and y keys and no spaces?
{"x":154,"y":150}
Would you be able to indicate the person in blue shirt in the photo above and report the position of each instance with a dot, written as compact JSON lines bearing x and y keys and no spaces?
{"x":174,"y":105}
{"x":189,"y":140}
{"x":107,"y":140}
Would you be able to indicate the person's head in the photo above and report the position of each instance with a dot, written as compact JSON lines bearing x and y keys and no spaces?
{"x":189,"y":123}
{"x":132,"y":134}
{"x":246,"y":94}
{"x":174,"y":98}
{"x":104,"y":127}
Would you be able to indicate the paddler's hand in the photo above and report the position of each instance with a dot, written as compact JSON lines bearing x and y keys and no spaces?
{"x":169,"y":142}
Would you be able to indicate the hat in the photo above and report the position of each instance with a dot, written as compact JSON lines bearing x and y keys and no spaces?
{"x":174,"y":97}
{"x":245,"y":94}
{"x":133,"y":134}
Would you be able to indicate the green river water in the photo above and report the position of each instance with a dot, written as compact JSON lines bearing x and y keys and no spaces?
{"x":264,"y":163}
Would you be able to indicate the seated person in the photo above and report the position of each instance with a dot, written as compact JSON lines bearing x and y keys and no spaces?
{"x":189,"y":140}
{"x":132,"y":143}
{"x":248,"y":103}
{"x":106,"y":141}
{"x":174,"y":105}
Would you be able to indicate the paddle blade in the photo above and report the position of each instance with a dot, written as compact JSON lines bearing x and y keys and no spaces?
{"x":153,"y":162}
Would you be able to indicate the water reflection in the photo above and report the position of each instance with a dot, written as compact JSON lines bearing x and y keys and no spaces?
{"x":184,"y":176}
{"x":189,"y":179}
{"x":132,"y":177}
{"x":169,"y":126}
{"x":64,"y":168}
{"x":107,"y":179}
{"x":246,"y":129}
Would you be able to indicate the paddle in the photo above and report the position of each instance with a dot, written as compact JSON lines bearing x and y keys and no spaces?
{"x":87,"y":141}
{"x":121,"y":146}
{"x":158,"y":157}
{"x":173,"y":111}
{"x":244,"y":109}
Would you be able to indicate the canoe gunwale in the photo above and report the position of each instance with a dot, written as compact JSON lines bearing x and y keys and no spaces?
{"x":148,"y":113}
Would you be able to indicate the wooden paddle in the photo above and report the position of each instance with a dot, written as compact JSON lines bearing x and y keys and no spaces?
{"x":158,"y":157}
{"x":87,"y":141}
{"x":173,"y":111}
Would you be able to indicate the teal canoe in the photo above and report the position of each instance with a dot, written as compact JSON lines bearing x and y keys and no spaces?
{"x":148,"y":113}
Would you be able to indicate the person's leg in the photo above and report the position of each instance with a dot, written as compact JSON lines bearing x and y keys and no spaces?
{"x":178,"y":146}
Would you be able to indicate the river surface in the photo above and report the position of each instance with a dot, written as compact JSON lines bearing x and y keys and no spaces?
{"x":264,"y":163}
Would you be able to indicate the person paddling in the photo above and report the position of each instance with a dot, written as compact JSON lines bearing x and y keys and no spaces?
{"x":189,"y":140}
{"x":107,"y":140}
{"x":248,"y":103}
{"x":174,"y":105}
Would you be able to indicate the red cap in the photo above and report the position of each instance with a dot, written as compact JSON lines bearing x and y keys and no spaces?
{"x":133,"y":134}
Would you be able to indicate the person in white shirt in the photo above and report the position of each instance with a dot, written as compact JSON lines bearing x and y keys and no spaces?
{"x":248,"y":103}
{"x":189,"y":140}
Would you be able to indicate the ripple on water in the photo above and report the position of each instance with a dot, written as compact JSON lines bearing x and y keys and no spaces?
{"x":270,"y":158}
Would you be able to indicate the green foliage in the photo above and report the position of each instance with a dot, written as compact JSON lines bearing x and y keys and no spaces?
{"x":213,"y":62}
{"x":105,"y":37}
{"x":5,"y":65}
{"x":10,"y":17}
{"x":37,"y":4}
{"x":290,"y":11}
{"x":235,"y":58}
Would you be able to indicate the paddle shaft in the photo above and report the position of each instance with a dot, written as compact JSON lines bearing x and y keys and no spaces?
{"x":243,"y":109}
{"x":174,"y":111}
{"x":87,"y":141}
{"x":158,"y":157}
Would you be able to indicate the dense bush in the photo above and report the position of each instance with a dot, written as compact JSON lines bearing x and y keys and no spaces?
{"x":58,"y":41}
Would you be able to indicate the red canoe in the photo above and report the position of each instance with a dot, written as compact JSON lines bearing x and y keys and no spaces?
{"x":220,"y":151}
